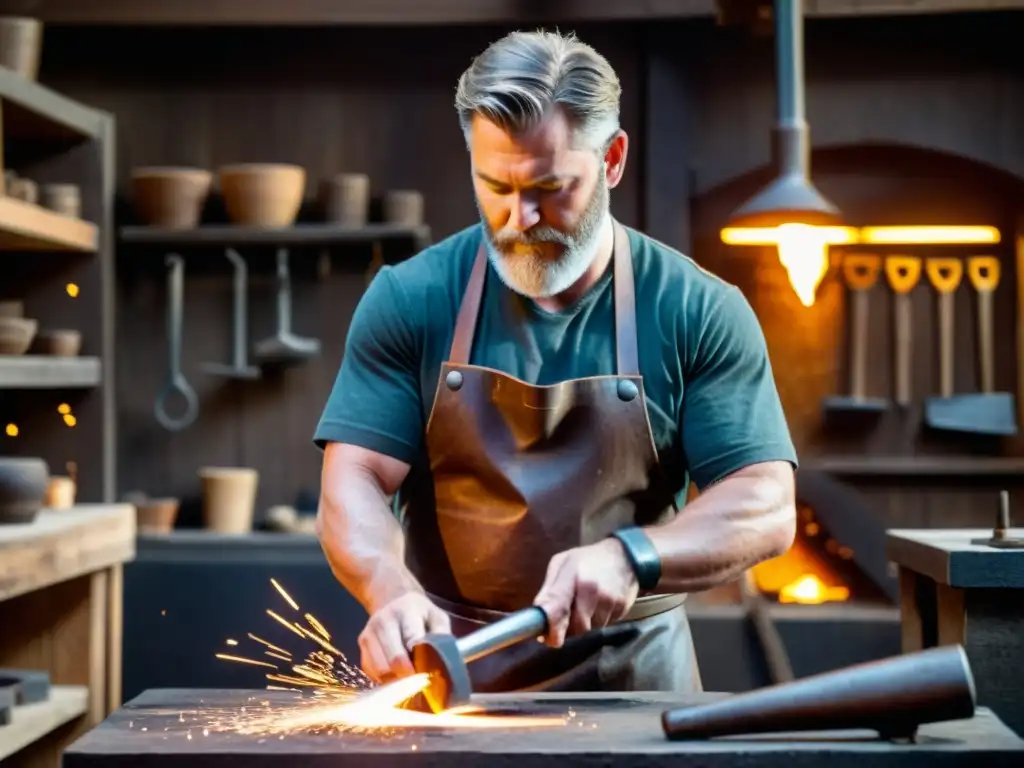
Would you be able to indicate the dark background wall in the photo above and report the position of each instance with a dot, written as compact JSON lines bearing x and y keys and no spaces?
{"x":917,"y":119}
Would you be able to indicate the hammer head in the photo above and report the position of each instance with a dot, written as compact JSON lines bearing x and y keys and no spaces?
{"x":438,"y":655}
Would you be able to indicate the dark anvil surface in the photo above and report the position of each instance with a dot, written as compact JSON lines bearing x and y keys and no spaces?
{"x":166,"y":728}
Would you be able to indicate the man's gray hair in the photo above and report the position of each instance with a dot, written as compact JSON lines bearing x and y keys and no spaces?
{"x":518,"y":79}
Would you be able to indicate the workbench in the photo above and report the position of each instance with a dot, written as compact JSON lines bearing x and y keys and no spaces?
{"x":169,"y":727}
{"x":956,"y":592}
{"x":60,"y":611}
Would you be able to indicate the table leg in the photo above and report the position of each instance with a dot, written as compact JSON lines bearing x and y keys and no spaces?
{"x":115,"y":636}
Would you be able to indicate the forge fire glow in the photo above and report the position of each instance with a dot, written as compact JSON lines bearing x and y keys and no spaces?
{"x":339,"y":698}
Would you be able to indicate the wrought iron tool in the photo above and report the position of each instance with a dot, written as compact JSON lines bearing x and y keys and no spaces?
{"x":891,"y":696}
{"x":444,"y":657}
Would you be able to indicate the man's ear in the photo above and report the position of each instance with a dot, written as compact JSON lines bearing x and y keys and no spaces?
{"x":615,"y":159}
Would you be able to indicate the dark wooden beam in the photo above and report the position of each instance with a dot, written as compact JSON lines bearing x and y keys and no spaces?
{"x":424,"y":12}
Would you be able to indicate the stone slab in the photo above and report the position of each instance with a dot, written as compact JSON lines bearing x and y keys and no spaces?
{"x":171,"y":728}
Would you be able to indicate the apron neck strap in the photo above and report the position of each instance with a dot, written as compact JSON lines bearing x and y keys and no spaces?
{"x":627,"y":357}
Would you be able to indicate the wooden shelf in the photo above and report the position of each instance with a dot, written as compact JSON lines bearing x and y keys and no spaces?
{"x":917,"y":466}
{"x":28,"y":227}
{"x":34,"y":111}
{"x":61,"y":545}
{"x":47,"y":372}
{"x":300,"y":234}
{"x":32,"y":722}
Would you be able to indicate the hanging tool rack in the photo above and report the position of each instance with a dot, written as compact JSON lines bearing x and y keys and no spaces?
{"x":177,"y":406}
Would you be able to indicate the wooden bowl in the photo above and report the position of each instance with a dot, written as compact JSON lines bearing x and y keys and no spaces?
{"x":263,"y":194}
{"x":60,"y":343}
{"x":16,"y":334}
{"x":23,"y":484}
{"x":170,"y":197}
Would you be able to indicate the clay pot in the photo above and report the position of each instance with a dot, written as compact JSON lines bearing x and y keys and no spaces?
{"x":64,"y":199}
{"x":60,"y":343}
{"x":12,"y":308}
{"x":229,"y":498}
{"x":156,"y":515}
{"x":16,"y":334}
{"x":21,"y":41}
{"x":171,"y":197}
{"x":346,"y":199}
{"x":22,"y":489}
{"x":263,"y":194}
{"x":403,"y":207}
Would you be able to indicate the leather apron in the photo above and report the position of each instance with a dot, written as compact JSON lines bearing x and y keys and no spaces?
{"x":521,"y":472}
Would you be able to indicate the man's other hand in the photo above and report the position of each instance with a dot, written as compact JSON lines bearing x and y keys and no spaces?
{"x":586,"y":588}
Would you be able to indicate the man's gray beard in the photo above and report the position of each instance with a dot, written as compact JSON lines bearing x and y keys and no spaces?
{"x":538,"y":273}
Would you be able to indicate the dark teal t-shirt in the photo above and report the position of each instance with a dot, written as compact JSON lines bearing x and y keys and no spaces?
{"x":711,"y":396}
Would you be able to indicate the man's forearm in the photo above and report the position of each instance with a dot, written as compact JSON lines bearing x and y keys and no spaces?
{"x":363,"y":542}
{"x":745,"y":519}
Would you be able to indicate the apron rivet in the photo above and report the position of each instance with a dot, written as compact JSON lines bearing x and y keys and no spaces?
{"x":453,"y":381}
{"x":627,"y":391}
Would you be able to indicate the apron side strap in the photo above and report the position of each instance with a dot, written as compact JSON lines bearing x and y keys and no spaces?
{"x":469,"y":311}
{"x":627,"y":356}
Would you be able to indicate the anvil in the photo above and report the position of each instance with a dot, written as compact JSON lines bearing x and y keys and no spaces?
{"x":602,"y":729}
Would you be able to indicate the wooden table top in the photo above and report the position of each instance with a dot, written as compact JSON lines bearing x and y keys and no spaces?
{"x":63,"y":544}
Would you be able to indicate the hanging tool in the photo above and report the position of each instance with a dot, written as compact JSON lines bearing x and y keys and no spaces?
{"x":984,"y":413}
{"x":284,"y":346}
{"x":903,"y":272}
{"x":860,"y":272}
{"x":239,"y":367}
{"x":444,"y":657}
{"x":983,"y":272}
{"x":176,"y":381}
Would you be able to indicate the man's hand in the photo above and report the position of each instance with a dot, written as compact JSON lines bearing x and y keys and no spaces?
{"x":385,"y":641}
{"x":586,"y":588}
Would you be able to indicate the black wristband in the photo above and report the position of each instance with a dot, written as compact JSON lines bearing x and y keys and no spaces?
{"x":642,"y":556}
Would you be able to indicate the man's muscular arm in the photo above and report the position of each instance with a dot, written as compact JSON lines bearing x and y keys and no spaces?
{"x":360,"y":536}
{"x":365,"y":547}
{"x":746,"y":518}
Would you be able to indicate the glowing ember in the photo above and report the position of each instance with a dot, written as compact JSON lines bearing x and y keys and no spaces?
{"x":343,"y":700}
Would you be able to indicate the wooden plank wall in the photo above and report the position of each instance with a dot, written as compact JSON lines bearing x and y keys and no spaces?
{"x":698,"y":102}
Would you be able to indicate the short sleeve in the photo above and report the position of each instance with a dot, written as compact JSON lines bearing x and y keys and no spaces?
{"x":376,"y":401}
{"x":731,"y":415}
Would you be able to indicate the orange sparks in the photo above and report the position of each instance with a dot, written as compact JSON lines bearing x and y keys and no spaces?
{"x":320,"y":628}
{"x":243,"y":660}
{"x":317,"y":639}
{"x":344,"y":698}
{"x":271,"y":646}
{"x":278,"y":619}
{"x":285,"y":595}
{"x":229,"y":641}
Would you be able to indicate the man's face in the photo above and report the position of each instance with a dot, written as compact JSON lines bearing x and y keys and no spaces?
{"x":542,"y":201}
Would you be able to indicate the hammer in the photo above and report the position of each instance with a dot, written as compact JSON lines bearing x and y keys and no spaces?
{"x":444,"y":657}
